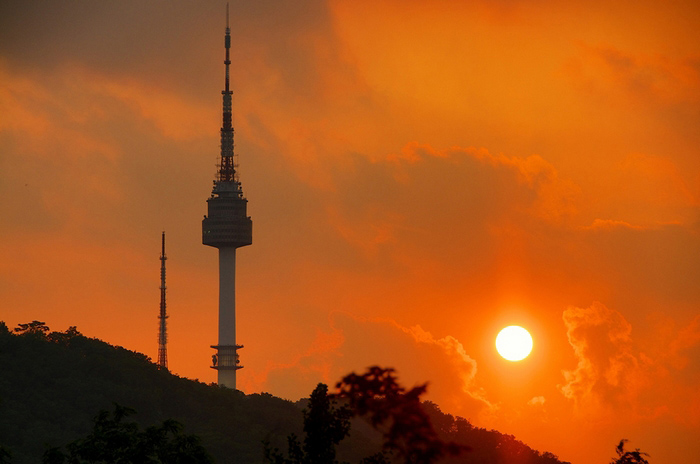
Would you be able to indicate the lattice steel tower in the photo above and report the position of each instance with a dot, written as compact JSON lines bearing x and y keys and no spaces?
{"x":162,"y":332}
{"x":227,"y":227}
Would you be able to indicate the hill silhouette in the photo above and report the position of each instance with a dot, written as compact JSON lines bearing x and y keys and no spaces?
{"x":53,"y":384}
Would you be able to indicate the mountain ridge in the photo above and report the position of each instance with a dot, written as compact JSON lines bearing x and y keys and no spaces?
{"x":53,"y":384}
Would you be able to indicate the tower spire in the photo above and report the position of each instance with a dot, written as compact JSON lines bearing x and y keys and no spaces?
{"x":162,"y":332}
{"x":227,"y":171}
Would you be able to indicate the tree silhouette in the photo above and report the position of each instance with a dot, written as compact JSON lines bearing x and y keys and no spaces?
{"x":390,"y":408}
{"x":325,"y":425}
{"x":115,"y":441}
{"x":64,"y":338}
{"x":628,"y":457}
{"x":397,"y":412}
{"x":35,"y":328}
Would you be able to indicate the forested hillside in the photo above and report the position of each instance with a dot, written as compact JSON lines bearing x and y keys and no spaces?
{"x":53,"y":384}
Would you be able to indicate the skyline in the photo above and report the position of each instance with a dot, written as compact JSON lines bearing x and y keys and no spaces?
{"x":419,"y":177}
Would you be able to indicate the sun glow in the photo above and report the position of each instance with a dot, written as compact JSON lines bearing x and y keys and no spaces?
{"x":514,"y":343}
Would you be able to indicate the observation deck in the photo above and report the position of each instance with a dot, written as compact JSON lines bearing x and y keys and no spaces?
{"x":226,"y":357}
{"x":227,"y":223}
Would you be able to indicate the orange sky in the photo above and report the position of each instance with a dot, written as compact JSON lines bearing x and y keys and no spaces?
{"x":418,"y":177}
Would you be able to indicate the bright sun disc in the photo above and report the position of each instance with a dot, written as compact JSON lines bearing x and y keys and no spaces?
{"x":514,"y":343}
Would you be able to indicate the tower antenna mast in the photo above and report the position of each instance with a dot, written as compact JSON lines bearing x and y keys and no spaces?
{"x":227,"y":170}
{"x":162,"y":332}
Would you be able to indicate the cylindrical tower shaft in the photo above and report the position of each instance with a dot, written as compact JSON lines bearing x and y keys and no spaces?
{"x":227,"y":348}
{"x":227,"y":296}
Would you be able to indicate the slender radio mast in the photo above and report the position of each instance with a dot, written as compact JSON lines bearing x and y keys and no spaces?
{"x":162,"y":333}
{"x":227,"y":226}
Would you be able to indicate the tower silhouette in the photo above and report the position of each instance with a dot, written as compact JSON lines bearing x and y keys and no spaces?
{"x":227,"y":227}
{"x":162,"y":332}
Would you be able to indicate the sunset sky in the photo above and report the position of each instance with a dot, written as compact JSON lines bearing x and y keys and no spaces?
{"x":419,"y":175}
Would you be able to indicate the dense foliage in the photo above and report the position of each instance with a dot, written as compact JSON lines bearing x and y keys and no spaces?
{"x":119,"y":441}
{"x":53,"y":384}
{"x":326,"y":424}
{"x":406,"y":430}
{"x":408,"y":433}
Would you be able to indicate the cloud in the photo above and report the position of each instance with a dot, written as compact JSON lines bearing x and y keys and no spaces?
{"x":464,"y":365}
{"x":685,"y":345}
{"x":315,"y":363}
{"x":609,"y":224}
{"x":537,"y":401}
{"x":608,"y":371}
{"x":553,"y":197}
{"x":421,"y":204}
{"x":175,"y":116}
{"x":653,"y":191}
{"x":415,"y":353}
{"x":615,"y":224}
{"x":640,"y":89}
{"x":617,"y":383}
{"x":647,"y":78}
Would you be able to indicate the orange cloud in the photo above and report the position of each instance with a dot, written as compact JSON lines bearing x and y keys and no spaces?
{"x":608,"y":224}
{"x":411,"y":187}
{"x":417,"y":355}
{"x":644,"y":78}
{"x":315,"y":363}
{"x":23,"y":103}
{"x":464,"y":364}
{"x":609,"y":372}
{"x":175,"y":116}
{"x":687,"y":339}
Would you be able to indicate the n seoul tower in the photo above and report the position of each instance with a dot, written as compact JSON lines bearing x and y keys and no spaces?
{"x":227,"y":227}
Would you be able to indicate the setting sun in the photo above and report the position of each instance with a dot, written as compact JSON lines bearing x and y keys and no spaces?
{"x":514,"y":343}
